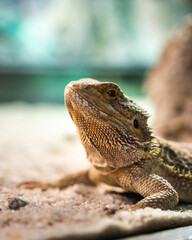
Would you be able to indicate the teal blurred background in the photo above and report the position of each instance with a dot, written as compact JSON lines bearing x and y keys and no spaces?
{"x":44,"y":44}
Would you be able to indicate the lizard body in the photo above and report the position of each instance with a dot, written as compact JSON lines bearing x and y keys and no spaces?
{"x":122,"y":150}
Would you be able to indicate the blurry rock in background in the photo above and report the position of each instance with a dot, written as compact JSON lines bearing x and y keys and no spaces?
{"x":170,"y":86}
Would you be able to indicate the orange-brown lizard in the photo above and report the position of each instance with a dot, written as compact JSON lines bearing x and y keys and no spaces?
{"x":122,"y":150}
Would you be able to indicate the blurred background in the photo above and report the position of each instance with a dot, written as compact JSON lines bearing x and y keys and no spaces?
{"x":44,"y":44}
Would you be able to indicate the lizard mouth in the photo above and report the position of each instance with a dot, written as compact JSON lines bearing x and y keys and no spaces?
{"x":77,"y":100}
{"x":78,"y":105}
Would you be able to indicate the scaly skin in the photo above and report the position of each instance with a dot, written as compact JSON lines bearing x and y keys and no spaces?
{"x":122,"y":150}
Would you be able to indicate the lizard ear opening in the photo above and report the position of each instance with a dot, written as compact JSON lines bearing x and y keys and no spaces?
{"x":136,"y":123}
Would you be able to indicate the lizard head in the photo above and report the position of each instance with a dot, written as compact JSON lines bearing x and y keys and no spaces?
{"x":112,"y":128}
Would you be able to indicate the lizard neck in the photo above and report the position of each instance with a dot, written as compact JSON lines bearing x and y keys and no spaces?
{"x":152,"y":149}
{"x":173,"y":158}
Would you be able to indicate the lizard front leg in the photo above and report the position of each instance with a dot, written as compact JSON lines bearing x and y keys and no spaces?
{"x":68,"y":180}
{"x":157,"y":192}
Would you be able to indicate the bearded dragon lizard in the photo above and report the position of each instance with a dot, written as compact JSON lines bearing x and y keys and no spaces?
{"x":122,"y":150}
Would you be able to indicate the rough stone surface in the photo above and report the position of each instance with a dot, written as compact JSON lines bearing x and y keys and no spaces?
{"x":169,"y":86}
{"x":16,"y":203}
{"x":36,"y":144}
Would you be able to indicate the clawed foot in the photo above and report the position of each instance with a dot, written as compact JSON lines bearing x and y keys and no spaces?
{"x":35,"y":184}
{"x":66,"y":181}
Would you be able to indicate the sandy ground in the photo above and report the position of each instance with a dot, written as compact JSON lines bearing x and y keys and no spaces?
{"x":38,"y":142}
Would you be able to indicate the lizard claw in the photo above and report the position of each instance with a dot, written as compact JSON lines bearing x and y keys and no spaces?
{"x":34,"y":184}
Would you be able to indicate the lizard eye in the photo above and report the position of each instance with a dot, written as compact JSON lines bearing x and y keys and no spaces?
{"x":112,"y":93}
{"x":135,"y":123}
